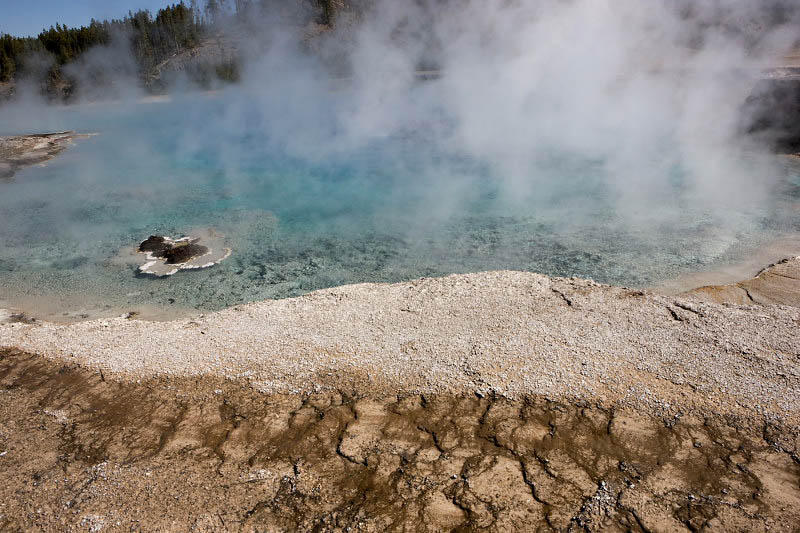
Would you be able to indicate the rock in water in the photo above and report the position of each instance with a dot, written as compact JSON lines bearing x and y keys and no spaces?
{"x":182,"y":253}
{"x":155,"y":244}
{"x":166,"y":256}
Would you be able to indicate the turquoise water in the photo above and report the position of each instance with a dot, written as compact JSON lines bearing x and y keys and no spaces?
{"x":302,"y":211}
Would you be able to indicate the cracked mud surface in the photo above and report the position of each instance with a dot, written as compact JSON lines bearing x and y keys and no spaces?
{"x":80,"y":450}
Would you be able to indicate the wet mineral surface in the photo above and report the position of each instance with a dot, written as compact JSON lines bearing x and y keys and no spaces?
{"x":166,"y":256}
{"x":21,"y":151}
{"x":81,"y":450}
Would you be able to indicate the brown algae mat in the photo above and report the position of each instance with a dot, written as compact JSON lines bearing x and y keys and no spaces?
{"x":82,"y":450}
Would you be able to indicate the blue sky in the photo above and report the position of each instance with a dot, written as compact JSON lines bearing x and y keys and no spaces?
{"x":29,"y":17}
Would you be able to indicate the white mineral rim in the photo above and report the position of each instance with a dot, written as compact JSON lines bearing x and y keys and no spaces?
{"x":157,"y":266}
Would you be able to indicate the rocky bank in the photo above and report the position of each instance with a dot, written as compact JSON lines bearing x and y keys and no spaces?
{"x":497,"y":401}
{"x":20,"y":151}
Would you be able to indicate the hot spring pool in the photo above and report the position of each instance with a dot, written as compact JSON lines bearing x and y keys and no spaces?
{"x":300,"y":216}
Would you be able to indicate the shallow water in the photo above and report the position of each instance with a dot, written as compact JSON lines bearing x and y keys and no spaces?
{"x":303,"y":217}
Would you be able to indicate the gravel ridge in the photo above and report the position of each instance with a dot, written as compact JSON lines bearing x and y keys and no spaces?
{"x":491,"y":333}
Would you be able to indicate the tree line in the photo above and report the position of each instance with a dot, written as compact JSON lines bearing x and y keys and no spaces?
{"x":151,"y":39}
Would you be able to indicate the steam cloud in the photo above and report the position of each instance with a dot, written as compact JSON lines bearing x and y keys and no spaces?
{"x":646,"y":94}
{"x":644,"y":87}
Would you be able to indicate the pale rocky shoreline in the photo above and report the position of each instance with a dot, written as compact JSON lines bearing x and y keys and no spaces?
{"x":512,"y":333}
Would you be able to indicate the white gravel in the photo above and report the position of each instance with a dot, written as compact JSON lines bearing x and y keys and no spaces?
{"x":511,"y":333}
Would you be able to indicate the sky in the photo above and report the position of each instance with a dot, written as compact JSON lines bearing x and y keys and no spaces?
{"x":29,"y":17}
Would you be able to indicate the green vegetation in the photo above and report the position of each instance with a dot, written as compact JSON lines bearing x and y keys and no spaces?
{"x":150,"y":40}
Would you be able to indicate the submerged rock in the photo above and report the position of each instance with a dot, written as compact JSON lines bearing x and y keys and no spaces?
{"x":166,"y":256}
{"x":11,"y":317}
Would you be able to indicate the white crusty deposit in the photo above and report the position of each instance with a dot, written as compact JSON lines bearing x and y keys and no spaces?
{"x":21,"y":151}
{"x":210,"y":242}
{"x":505,"y":332}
